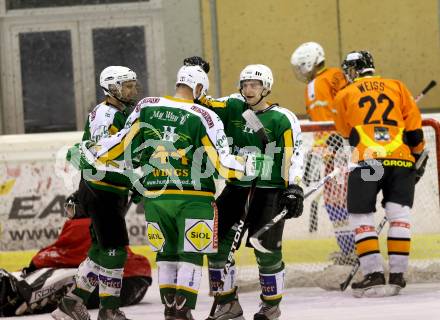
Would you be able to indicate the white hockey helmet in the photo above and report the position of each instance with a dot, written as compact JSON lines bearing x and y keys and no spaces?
{"x":115,"y":76}
{"x":305,"y":58}
{"x":192,"y":76}
{"x":258,"y":72}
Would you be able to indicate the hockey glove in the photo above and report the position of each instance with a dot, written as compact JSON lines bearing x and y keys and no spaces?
{"x":420,"y":167}
{"x":76,"y":155}
{"x":292,"y":199}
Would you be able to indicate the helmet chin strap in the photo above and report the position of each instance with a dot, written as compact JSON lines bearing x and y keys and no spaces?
{"x":125,"y":103}
{"x":252,"y":105}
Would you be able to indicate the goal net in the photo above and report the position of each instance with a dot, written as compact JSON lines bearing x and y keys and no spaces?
{"x":317,"y":247}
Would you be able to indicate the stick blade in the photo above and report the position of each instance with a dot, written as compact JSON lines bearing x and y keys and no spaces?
{"x":257,"y":245}
{"x":344,"y":285}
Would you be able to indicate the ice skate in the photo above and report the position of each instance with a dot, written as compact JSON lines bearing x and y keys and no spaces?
{"x":182,"y":312}
{"x":373,"y":285}
{"x":111,"y":314}
{"x":396,"y":283}
{"x":170,"y":307}
{"x":229,"y":311}
{"x":71,"y":308}
{"x":268,"y":312}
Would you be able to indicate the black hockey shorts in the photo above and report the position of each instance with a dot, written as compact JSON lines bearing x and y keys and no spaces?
{"x":264,"y":207}
{"x":106,"y":210}
{"x":397,"y":185}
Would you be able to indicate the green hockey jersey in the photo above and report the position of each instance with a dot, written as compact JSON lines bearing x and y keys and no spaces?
{"x":180,"y":145}
{"x":103,"y":121}
{"x":284,"y":132}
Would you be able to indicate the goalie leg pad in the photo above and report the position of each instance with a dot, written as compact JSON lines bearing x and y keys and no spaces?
{"x":399,"y":236}
{"x":344,"y":234}
{"x":367,"y":242}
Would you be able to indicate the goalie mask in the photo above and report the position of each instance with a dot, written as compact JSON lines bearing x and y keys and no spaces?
{"x":305,"y":59}
{"x":357,"y":64}
{"x":112,"y":80}
{"x":191,"y":76}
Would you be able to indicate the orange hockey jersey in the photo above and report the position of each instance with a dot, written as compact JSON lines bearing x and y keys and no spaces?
{"x":320,"y":93}
{"x":381,"y":120}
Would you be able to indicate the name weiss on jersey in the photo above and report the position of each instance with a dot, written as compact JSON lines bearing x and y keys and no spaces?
{"x":371,"y":86}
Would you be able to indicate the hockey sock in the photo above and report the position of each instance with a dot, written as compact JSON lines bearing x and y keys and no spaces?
{"x":367,"y":243}
{"x":216,"y":263}
{"x":86,"y":279}
{"x":188,"y":282}
{"x":228,"y":292}
{"x":110,"y":284}
{"x":271,"y":269}
{"x":399,"y":237}
{"x":167,"y":275}
{"x":344,"y":235}
{"x":111,"y":271}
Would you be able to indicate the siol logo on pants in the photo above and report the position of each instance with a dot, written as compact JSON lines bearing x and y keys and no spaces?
{"x":199,"y":235}
{"x":155,"y":238}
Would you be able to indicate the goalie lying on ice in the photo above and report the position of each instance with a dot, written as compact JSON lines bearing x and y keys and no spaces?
{"x":39,"y":287}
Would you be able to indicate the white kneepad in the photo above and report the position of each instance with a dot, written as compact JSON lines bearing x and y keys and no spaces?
{"x":395,"y":211}
{"x":361,"y":219}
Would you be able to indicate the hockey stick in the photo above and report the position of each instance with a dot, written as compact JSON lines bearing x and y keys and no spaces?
{"x":255,"y":124}
{"x":430,"y":85}
{"x":313,"y":217}
{"x":355,"y":269}
{"x":254,"y":238}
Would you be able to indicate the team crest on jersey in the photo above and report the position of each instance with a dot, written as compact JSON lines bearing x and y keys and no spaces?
{"x":169,"y":134}
{"x":155,"y":238}
{"x":199,"y":236}
{"x":381,"y":134}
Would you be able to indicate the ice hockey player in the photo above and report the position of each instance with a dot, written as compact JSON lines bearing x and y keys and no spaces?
{"x":323,"y":82}
{"x":181,"y":145}
{"x":383,"y":126}
{"x":277,"y":189}
{"x":106,"y":202}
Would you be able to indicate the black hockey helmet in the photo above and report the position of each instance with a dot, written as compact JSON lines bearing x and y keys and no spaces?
{"x":357,"y":63}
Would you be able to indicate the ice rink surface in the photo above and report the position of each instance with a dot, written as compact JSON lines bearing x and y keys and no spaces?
{"x":416,"y":302}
